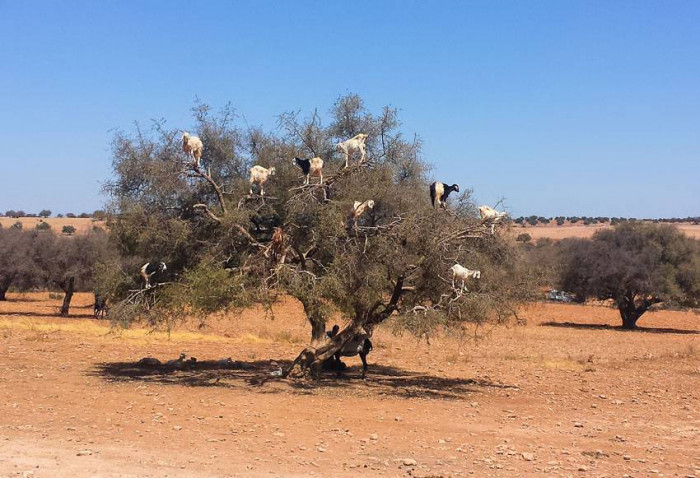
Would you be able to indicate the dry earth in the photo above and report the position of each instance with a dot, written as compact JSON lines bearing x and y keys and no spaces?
{"x":81,"y":225}
{"x":579,"y":230}
{"x":566,"y":395}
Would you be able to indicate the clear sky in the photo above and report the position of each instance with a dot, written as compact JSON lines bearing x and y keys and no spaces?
{"x":561,"y":107}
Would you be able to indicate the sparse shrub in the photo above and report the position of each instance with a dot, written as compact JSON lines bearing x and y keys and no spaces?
{"x":524,"y":237}
{"x":17,"y":225}
{"x":43,"y":226}
{"x":59,"y":215}
{"x":68,"y":230}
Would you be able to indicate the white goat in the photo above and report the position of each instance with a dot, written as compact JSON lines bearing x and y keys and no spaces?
{"x":259,"y":176}
{"x":490,"y":215}
{"x":192,"y":146}
{"x":357,"y":210}
{"x":356,"y":143}
{"x":462,"y":273}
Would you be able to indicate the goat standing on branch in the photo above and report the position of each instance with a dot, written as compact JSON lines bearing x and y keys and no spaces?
{"x":259,"y":176}
{"x":313,"y":166}
{"x":149,"y":269}
{"x":462,"y":273}
{"x":491,"y":216}
{"x":439,"y":193}
{"x":192,"y":146}
{"x":356,"y":143}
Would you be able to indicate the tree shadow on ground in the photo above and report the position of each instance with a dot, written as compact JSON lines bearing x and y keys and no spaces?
{"x":260,"y":375}
{"x":47,"y":314}
{"x":650,"y":330}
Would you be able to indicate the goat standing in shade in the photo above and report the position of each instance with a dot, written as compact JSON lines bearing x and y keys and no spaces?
{"x":360,"y":345}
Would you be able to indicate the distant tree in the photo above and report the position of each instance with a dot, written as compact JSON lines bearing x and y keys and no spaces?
{"x":543,"y":220}
{"x":99,"y":214}
{"x":59,"y":215}
{"x":636,"y":265}
{"x":560,"y":220}
{"x":68,"y":230}
{"x":44,"y":213}
{"x":70,"y":215}
{"x":15,"y":259}
{"x":84,"y":215}
{"x":532,"y":220}
{"x":43,"y":226}
{"x":524,"y":237}
{"x":519,"y":220}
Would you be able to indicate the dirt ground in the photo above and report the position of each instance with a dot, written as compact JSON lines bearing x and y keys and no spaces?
{"x":82,"y":225}
{"x":579,"y":230}
{"x":568,"y":394}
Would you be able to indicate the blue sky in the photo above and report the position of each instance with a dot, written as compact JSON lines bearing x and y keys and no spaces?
{"x":587,"y":108}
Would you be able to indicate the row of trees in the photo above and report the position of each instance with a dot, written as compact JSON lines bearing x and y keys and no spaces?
{"x":587,"y":220}
{"x":35,"y":260}
{"x":99,"y":214}
{"x":230,"y":249}
{"x":635,"y":264}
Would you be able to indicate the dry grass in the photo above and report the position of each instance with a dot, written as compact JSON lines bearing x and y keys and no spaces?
{"x":81,"y":225}
{"x":552,"y":231}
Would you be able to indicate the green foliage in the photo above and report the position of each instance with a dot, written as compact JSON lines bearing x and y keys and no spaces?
{"x":43,"y":226}
{"x":68,"y":230}
{"x":218,"y":239}
{"x":45,"y":213}
{"x":524,"y":237}
{"x":635,"y":265}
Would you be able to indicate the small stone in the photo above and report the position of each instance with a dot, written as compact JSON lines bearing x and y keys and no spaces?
{"x":177,"y":428}
{"x":374,"y":437}
{"x":84,"y":453}
{"x":583,"y":468}
{"x":626,"y":457}
{"x":398,"y":419}
{"x":409,"y":462}
{"x":593,"y":405}
{"x":528,"y":456}
{"x":578,"y":425}
{"x":321,"y":449}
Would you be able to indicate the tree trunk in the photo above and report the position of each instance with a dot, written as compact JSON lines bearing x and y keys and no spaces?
{"x":69,"y":289}
{"x":308,"y":362}
{"x":630,"y":312}
{"x":4,"y":285}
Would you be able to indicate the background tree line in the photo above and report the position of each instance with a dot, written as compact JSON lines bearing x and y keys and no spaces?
{"x":41,"y":260}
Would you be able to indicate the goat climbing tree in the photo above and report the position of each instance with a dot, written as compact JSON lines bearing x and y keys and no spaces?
{"x":232,"y":249}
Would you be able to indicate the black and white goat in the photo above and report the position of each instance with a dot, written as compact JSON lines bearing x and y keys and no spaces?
{"x":360,"y":345}
{"x":439,"y":193}
{"x":310,"y":167}
{"x":149,"y":269}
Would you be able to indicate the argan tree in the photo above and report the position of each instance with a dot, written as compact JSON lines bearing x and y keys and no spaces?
{"x":636,"y":265}
{"x":230,"y":248}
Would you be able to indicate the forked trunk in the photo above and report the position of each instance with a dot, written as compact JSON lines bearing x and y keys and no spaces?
{"x":631,"y":312}
{"x":69,"y":288}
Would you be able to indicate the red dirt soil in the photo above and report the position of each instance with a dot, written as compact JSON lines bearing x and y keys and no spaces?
{"x":579,"y":230}
{"x":565,"y":395}
{"x":82,"y":225}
